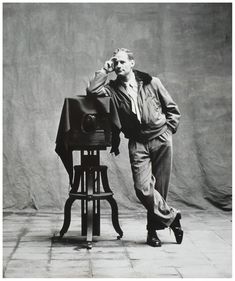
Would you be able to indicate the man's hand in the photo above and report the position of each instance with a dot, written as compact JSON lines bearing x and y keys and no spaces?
{"x":109,"y":66}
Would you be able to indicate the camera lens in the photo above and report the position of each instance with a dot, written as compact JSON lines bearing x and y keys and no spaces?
{"x":89,"y":123}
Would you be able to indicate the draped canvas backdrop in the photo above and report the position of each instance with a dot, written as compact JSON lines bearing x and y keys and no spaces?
{"x":51,"y":50}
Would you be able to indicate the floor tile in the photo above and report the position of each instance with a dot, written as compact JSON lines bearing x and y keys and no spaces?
{"x":32,"y":248}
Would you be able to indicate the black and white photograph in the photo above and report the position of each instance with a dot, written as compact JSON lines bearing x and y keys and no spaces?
{"x":117,"y":139}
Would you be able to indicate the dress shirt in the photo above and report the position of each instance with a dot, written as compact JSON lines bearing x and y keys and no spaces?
{"x":132,"y":90}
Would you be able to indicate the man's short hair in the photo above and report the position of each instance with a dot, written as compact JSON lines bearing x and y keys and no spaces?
{"x":128,"y":52}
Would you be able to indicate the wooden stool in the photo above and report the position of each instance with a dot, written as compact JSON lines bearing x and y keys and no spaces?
{"x":87,"y":175}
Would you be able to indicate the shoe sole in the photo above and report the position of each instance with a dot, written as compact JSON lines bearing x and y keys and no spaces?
{"x":154,"y":245}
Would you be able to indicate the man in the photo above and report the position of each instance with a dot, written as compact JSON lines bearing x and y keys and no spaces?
{"x":148,"y":117}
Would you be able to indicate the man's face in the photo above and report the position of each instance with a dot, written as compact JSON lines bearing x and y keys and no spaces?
{"x":122,"y":64}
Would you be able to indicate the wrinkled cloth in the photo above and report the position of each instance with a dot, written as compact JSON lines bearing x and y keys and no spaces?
{"x":70,"y":121}
{"x":151,"y":165}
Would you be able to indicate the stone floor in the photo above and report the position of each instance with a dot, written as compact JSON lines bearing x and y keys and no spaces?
{"x":31,"y":248}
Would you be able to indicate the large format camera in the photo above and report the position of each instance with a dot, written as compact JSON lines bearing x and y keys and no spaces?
{"x":89,"y":122}
{"x":85,"y":125}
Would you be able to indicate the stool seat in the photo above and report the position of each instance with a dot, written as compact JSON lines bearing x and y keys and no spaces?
{"x":90,"y":168}
{"x":94,"y":196}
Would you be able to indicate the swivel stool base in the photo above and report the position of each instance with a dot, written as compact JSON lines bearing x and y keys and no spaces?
{"x":87,"y":176}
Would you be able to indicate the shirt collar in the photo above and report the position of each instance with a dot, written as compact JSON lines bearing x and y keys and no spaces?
{"x":132,"y":82}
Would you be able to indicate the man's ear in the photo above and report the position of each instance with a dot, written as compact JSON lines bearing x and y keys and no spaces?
{"x":132,"y":63}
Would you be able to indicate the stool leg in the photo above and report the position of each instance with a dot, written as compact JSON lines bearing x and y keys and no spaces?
{"x":77,"y":177}
{"x":90,"y":185}
{"x":89,"y":224}
{"x":67,"y":216}
{"x":115,"y":220}
{"x":112,"y":203}
{"x":96,"y":206}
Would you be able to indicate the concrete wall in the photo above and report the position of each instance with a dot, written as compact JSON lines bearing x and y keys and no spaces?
{"x":51,"y":50}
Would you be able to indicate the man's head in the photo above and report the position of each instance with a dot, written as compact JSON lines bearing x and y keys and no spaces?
{"x":123,"y":60}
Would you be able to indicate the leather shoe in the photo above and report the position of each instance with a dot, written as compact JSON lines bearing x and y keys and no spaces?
{"x":153,"y":240}
{"x":176,"y":227}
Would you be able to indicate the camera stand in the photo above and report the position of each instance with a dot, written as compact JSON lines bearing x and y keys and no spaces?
{"x":88,"y":176}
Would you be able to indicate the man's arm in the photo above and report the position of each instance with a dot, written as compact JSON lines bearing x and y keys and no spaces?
{"x":97,"y":87}
{"x":169,"y":107}
{"x":97,"y":84}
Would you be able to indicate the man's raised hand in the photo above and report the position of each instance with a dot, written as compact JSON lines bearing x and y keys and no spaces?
{"x":109,"y":66}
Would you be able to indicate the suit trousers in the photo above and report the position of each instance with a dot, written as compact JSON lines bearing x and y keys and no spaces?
{"x":151,"y":165}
